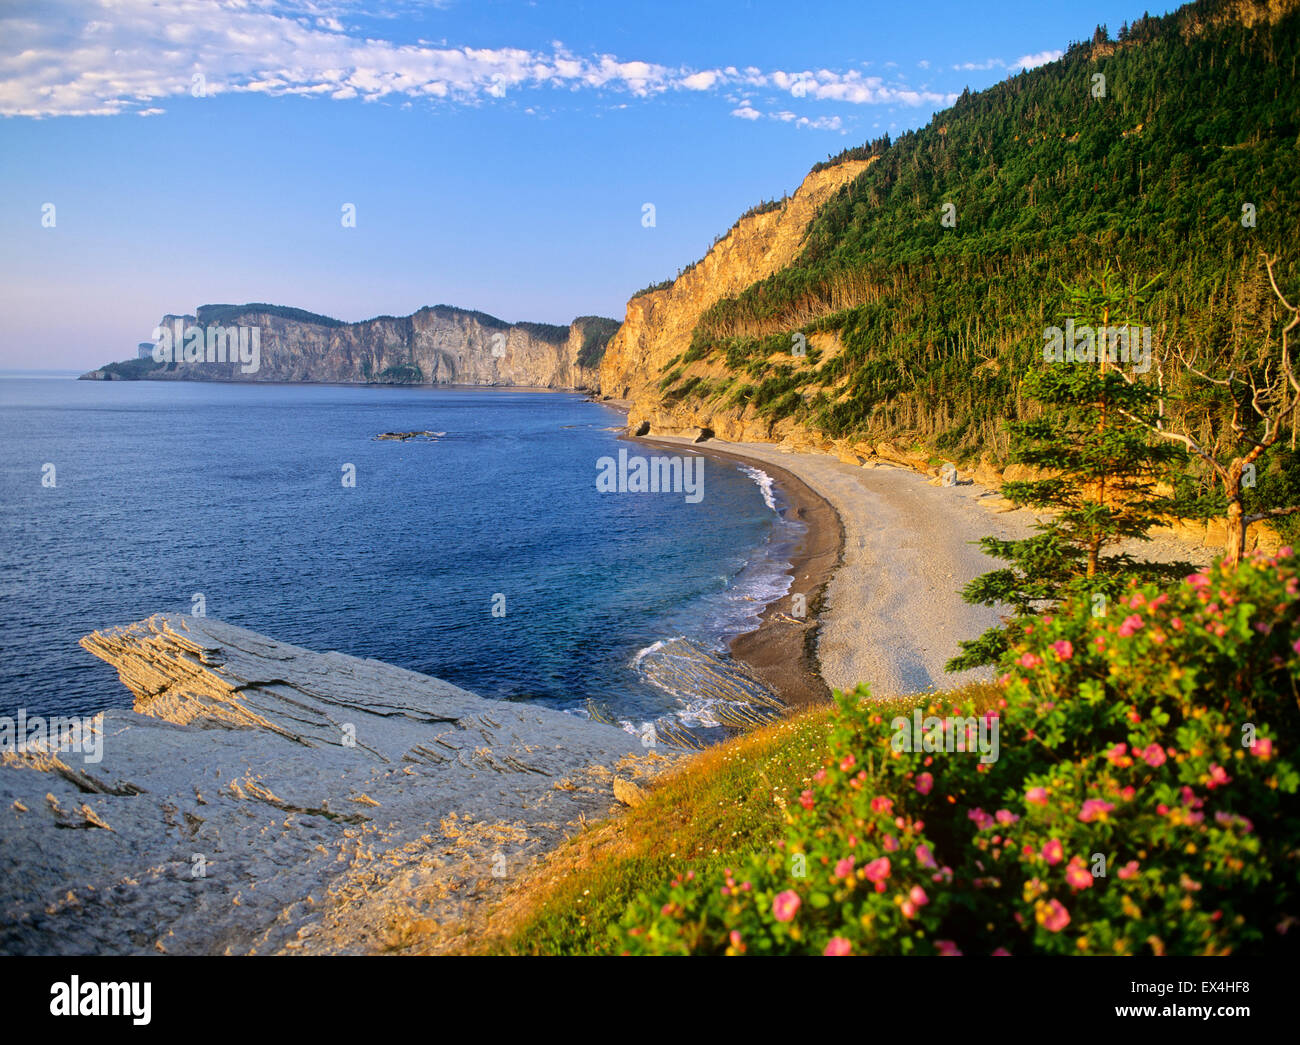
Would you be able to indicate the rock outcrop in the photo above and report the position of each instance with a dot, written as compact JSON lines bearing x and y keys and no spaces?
{"x":659,"y":323}
{"x":263,"y":797}
{"x":439,"y":345}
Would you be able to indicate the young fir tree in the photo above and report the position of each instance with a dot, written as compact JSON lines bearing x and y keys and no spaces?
{"x":1099,"y":471}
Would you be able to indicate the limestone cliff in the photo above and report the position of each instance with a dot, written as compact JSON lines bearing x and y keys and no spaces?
{"x":438,"y":345}
{"x":659,"y":323}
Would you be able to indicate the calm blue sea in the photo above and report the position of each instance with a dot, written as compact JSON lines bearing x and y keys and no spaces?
{"x":235,"y":492}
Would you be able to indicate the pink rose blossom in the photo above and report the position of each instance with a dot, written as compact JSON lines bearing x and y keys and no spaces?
{"x":947,"y":948}
{"x":1218,"y":777}
{"x":838,"y":947}
{"x":1064,"y":648}
{"x":1131,"y":624}
{"x":1095,"y":809}
{"x":1053,"y":916}
{"x":877,"y":871}
{"x":844,"y":868}
{"x":1154,"y":755}
{"x":1262,"y":748}
{"x":924,"y":782}
{"x":1053,"y":852}
{"x":1077,"y":875}
{"x":786,"y":905}
{"x":1036,"y":796}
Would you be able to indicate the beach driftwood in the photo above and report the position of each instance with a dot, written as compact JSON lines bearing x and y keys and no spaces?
{"x":263,"y":797}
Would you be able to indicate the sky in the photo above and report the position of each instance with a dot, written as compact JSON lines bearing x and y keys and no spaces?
{"x":497,"y":155}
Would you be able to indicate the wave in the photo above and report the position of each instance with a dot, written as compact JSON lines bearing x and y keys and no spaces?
{"x":765,"y":483}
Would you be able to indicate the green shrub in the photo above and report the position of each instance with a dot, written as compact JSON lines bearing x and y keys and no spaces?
{"x":1141,"y":797}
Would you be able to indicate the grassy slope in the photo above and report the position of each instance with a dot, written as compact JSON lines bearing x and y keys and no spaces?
{"x":716,"y":806}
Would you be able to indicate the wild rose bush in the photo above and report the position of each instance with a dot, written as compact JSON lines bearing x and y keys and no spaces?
{"x":1144,"y":800}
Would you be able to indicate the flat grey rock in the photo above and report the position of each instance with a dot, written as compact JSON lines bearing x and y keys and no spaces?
{"x":258,"y":789}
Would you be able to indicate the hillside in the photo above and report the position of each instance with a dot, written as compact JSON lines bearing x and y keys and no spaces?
{"x":438,"y":345}
{"x":917,"y":333}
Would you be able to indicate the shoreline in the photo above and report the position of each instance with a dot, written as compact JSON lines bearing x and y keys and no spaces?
{"x":782,"y":650}
{"x":889,"y":611}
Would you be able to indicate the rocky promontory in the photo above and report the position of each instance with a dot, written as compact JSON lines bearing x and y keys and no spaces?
{"x":440,"y":345}
{"x":262,"y":797}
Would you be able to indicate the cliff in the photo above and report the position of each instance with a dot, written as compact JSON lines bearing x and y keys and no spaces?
{"x":438,"y":345}
{"x":659,"y":323}
{"x":264,"y":797}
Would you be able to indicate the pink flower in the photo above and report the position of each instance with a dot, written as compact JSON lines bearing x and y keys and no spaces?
{"x":806,"y":799}
{"x":1196,"y":580}
{"x":847,"y":763}
{"x":1131,"y":624}
{"x":924,"y":857}
{"x":1001,"y":952}
{"x":1262,"y":748}
{"x":890,"y":843}
{"x":844,"y":868}
{"x":1296,"y":645}
{"x":1218,"y":777}
{"x":786,"y":905}
{"x":1077,"y":875}
{"x":918,"y":897}
{"x":877,"y":871}
{"x":1128,"y":870}
{"x":1036,"y":796}
{"x":819,"y":777}
{"x":1094,"y":809}
{"x":1053,"y":916}
{"x":838,"y":947}
{"x":1053,"y":852}
{"x":981,"y":818}
{"x":1064,"y":648}
{"x":1029,"y":660}
{"x":1154,"y":755}
{"x":736,"y":942}
{"x":881,"y":804}
{"x":947,"y":948}
{"x":924,"y":782}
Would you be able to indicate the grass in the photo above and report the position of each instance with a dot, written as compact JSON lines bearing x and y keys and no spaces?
{"x":710,"y":809}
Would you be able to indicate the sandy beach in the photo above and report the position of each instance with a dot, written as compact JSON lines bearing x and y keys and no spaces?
{"x":882,"y":565}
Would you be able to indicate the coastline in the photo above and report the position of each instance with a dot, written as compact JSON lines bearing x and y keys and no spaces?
{"x":782,"y":650}
{"x":887,"y":608}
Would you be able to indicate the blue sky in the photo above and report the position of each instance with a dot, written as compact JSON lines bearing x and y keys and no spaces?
{"x":498,"y":153}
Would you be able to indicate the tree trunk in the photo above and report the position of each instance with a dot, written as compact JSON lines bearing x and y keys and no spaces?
{"x":1234,"y":541}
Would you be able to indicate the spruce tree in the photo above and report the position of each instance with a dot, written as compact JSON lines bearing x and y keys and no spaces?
{"x":1098,"y":472}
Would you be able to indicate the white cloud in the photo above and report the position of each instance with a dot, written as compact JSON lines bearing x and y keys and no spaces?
{"x":1025,"y":61}
{"x":1033,"y":61}
{"x":104,"y":57}
{"x":818,"y":123}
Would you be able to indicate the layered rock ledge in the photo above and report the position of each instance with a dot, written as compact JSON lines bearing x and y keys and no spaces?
{"x":263,"y":797}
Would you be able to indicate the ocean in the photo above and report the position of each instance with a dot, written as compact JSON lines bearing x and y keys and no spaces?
{"x":483,"y":554}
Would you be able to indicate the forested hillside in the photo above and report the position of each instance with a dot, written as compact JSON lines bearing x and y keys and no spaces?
{"x":1167,"y":150}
